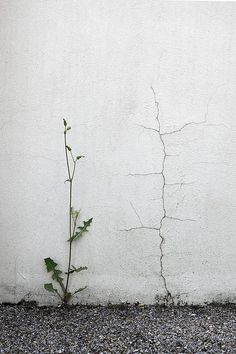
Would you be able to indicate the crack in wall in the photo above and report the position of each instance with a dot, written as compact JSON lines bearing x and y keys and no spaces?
{"x":136,"y":213}
{"x":168,"y":299}
{"x":143,"y":174}
{"x":168,"y":296}
{"x":140,"y":227}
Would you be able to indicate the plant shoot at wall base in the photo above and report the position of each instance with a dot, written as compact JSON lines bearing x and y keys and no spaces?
{"x":60,"y":278}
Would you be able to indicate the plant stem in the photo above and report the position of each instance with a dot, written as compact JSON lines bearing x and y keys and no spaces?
{"x":70,"y":219}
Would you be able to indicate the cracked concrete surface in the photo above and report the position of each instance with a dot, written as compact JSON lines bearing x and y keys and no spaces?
{"x":158,"y":179}
{"x":168,"y":296}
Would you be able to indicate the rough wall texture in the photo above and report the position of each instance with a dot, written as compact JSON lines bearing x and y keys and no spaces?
{"x":149,"y":89}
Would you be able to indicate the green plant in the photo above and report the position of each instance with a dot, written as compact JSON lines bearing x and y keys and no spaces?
{"x":75,"y":232}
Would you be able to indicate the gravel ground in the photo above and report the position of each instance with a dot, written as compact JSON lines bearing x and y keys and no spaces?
{"x":27,"y":328}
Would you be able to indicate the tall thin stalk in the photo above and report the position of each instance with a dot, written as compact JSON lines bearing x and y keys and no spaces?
{"x":75,"y":232}
{"x":70,"y":180}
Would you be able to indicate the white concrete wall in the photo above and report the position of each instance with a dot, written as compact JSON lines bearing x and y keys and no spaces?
{"x":94,"y":63}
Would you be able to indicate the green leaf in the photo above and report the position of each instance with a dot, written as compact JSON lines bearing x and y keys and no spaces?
{"x":77,"y":270}
{"x":68,"y":148}
{"x":80,"y":289}
{"x":82,"y":229}
{"x":56,"y":275}
{"x":49,"y":287}
{"x":65,"y":122}
{"x":68,"y":128}
{"x":51,"y":267}
{"x":79,"y":157}
{"x":50,"y":264}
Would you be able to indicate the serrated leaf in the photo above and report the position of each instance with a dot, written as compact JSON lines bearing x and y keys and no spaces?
{"x":82,"y":229}
{"x":51,"y":267}
{"x":87,"y":223}
{"x":49,"y":287}
{"x":80,"y":289}
{"x":77,"y":270}
{"x":50,"y":264}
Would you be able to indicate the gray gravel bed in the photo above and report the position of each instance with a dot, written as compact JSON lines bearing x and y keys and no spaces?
{"x":27,"y":328}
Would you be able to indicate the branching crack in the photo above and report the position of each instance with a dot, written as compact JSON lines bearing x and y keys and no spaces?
{"x":168,"y":296}
{"x":143,"y":174}
{"x":168,"y":299}
{"x":139,"y":228}
{"x":148,"y":128}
